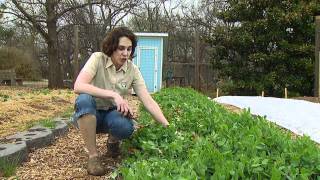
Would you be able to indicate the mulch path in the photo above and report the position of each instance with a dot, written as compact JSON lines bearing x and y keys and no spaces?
{"x":67,"y":158}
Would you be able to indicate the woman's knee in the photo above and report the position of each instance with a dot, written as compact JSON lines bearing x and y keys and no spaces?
{"x":85,"y":101}
{"x":85,"y":104}
{"x":122,"y":128}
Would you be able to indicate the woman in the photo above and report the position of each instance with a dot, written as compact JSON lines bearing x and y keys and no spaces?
{"x":100,"y":108}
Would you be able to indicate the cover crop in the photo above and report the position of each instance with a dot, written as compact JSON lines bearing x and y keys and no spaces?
{"x":204,"y":141}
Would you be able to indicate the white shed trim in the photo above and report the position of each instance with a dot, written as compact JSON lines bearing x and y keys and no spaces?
{"x":151,"y":34}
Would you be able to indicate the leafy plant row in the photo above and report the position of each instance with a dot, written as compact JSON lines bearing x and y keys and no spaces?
{"x":204,"y":141}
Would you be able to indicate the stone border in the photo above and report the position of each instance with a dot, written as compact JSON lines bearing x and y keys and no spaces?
{"x":16,"y":147}
{"x":16,"y":152}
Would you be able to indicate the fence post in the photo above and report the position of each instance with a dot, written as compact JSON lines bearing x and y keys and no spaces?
{"x":285,"y":93}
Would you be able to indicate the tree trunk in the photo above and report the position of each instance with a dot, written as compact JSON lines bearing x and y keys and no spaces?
{"x":317,"y":57}
{"x":55,"y":76}
{"x":76,"y":53}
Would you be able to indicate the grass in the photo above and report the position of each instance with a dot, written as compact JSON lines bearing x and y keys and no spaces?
{"x":4,"y":97}
{"x":8,"y":167}
{"x":48,"y":123}
{"x":68,"y":113}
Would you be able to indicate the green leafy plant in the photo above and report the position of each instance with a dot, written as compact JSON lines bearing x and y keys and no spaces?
{"x":205,"y":141}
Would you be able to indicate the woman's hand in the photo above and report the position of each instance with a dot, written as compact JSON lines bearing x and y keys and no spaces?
{"x":165,"y":124}
{"x":122,"y":106}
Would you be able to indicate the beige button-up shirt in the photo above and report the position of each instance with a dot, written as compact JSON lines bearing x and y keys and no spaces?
{"x":105,"y":76}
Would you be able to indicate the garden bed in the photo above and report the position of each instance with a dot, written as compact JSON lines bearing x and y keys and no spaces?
{"x":203,"y":140}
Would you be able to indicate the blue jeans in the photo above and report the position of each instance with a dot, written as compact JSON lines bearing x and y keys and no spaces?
{"x":108,"y":121}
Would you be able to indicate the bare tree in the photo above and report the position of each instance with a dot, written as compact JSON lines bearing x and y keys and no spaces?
{"x":94,"y":21}
{"x":97,"y":20}
{"x":43,"y":16}
{"x":49,"y":17}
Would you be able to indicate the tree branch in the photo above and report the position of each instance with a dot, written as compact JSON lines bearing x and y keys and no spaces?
{"x":21,"y":17}
{"x":58,"y":15}
{"x":29,"y":18}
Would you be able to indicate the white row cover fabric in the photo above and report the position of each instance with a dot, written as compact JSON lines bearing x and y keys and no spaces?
{"x":299,"y":116}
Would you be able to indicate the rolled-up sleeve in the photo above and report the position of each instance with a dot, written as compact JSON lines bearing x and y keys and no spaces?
{"x":138,"y":81}
{"x":91,"y":65}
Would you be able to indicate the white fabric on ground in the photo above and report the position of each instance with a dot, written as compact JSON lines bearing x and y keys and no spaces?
{"x":299,"y":116}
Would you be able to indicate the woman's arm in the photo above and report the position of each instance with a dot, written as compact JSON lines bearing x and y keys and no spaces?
{"x":152,"y":106}
{"x":82,"y":85}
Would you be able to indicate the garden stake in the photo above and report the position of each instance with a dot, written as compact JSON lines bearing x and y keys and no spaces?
{"x":285,"y":93}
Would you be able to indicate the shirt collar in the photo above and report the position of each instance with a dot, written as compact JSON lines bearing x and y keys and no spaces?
{"x":109,"y":62}
{"x":124,"y":67}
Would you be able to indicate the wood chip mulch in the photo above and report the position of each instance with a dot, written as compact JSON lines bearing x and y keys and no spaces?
{"x":65,"y":159}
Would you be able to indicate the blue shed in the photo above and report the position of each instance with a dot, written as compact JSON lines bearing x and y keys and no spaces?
{"x":149,"y":58}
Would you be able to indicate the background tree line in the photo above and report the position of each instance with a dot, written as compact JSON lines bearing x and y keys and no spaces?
{"x":252,"y":45}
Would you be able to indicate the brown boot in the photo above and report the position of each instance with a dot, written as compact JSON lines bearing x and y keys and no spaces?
{"x":95,"y":167}
{"x":113,"y":149}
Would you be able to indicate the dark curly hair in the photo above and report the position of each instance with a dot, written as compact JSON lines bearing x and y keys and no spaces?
{"x":111,"y":41}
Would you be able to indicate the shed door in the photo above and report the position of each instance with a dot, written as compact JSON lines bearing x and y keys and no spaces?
{"x":147,"y":62}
